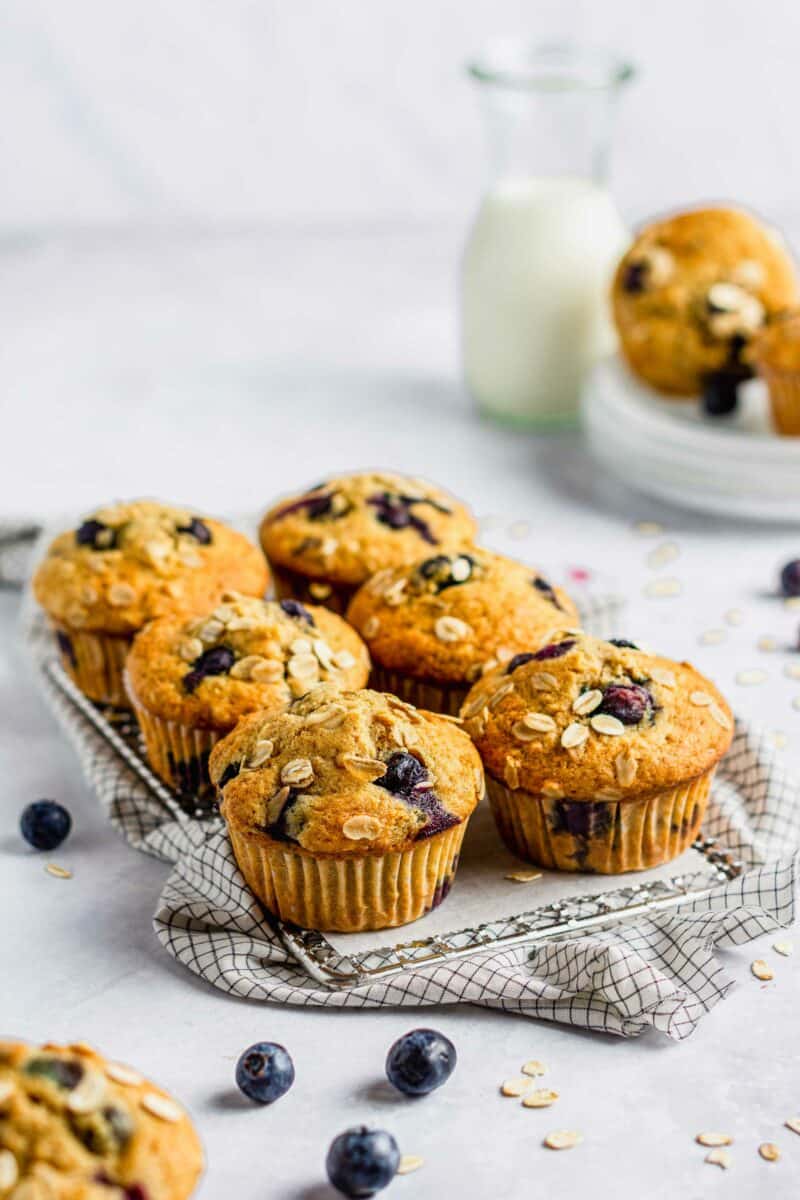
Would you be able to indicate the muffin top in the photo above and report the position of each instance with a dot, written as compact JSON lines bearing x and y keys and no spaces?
{"x":450,"y":616}
{"x":74,"y":1125}
{"x":693,"y":290}
{"x":586,"y":719}
{"x":128,"y":563}
{"x":346,"y":773}
{"x":349,"y":527}
{"x":242,"y":656}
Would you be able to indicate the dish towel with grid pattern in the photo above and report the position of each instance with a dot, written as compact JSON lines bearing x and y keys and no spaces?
{"x":660,"y":972}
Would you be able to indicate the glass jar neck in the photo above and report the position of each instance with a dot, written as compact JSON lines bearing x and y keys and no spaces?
{"x":549,"y":110}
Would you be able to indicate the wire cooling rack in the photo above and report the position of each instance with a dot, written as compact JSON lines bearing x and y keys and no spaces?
{"x":332,"y":967}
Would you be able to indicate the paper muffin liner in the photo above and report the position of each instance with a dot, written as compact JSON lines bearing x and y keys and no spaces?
{"x":605,"y":836}
{"x":95,"y":662}
{"x":177,"y":753}
{"x":784,"y":395}
{"x":422,"y":693}
{"x":348,"y":893}
{"x":289,"y":585}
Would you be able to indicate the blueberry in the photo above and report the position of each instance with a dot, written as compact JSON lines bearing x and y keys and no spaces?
{"x":315,"y":507}
{"x":230,"y":772}
{"x":96,"y":534}
{"x":293,"y":608}
{"x":519,"y":660}
{"x":553,"y":650}
{"x":265,"y":1072}
{"x":790,"y":578}
{"x":628,"y":702}
{"x":547,"y":590}
{"x":622,"y":643}
{"x":420,"y":1061}
{"x":361,"y":1161}
{"x":395,"y":511}
{"x":45,"y":824}
{"x":279,"y":829}
{"x":634,"y":277}
{"x":198,"y":530}
{"x":216,"y":661}
{"x":721,"y":390}
{"x":403,"y":773}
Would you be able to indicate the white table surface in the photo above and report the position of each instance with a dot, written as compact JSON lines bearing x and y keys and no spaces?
{"x":222,"y":371}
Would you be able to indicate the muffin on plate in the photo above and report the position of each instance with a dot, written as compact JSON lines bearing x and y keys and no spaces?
{"x":598,"y":756}
{"x":347,"y":810}
{"x":191,"y":679}
{"x":323,"y":544}
{"x":777,"y":357}
{"x":123,"y":566}
{"x":690,"y":295}
{"x":435,"y":626}
{"x":75,"y":1125}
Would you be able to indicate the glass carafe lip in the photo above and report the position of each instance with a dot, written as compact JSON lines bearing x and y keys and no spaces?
{"x":522,"y":64}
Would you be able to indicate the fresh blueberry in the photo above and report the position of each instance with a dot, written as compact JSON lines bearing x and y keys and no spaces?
{"x":634,"y":277}
{"x":519,"y":660}
{"x":218,"y":660}
{"x":790,"y":578}
{"x":622,"y":643}
{"x":96,"y":534}
{"x":293,"y":608}
{"x":440,"y":571}
{"x":628,"y":702}
{"x":45,"y":824}
{"x":395,"y":511}
{"x":361,"y":1161}
{"x":315,"y":507}
{"x":420,"y":1061}
{"x":553,"y":650}
{"x":198,"y":530}
{"x":721,"y":390}
{"x":230,"y":772}
{"x":279,"y":828}
{"x":265,"y":1072}
{"x":403,"y":773}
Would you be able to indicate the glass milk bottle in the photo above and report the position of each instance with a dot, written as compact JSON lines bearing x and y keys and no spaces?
{"x":541,"y":253}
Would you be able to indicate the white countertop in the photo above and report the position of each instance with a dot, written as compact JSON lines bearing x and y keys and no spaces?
{"x":222,"y":371}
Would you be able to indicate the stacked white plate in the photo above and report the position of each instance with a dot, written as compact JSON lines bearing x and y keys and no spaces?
{"x":736,"y":466}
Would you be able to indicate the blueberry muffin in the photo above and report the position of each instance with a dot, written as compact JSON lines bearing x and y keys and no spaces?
{"x":123,"y":566}
{"x":434,"y":627}
{"x":692,"y":292}
{"x":777,"y":357}
{"x":74,"y":1126}
{"x":323,"y":544}
{"x":190,"y":680}
{"x":347,"y":810}
{"x":598,"y":756}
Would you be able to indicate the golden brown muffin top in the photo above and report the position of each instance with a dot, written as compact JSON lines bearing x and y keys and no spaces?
{"x":593,"y":720}
{"x":346,"y":773}
{"x":451,"y":616}
{"x":692,"y":292}
{"x":351,"y":526}
{"x":76,"y":1126}
{"x":128,"y":563}
{"x":242,"y":656}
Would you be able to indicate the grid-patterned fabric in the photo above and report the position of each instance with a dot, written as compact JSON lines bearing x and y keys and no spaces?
{"x":660,"y":972}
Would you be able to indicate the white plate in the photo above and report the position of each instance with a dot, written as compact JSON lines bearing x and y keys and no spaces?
{"x":736,"y":466}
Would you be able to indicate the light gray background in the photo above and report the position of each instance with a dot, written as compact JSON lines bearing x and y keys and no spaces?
{"x":229,"y":236}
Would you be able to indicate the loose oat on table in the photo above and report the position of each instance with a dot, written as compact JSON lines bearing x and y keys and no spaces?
{"x":663,"y":588}
{"x":769,"y":1151}
{"x":563,"y":1139}
{"x":714,"y":1139}
{"x":523,"y":876}
{"x":751,"y":678}
{"x":516,"y":1087}
{"x":409,"y":1163}
{"x":533,"y":1067}
{"x":57,"y":871}
{"x":648,"y":528}
{"x":761,"y":969}
{"x":784,"y":948}
{"x":667,"y":552}
{"x":539,"y":1098}
{"x":712,"y":637}
{"x":719,"y":1158}
{"x":793,"y":1123}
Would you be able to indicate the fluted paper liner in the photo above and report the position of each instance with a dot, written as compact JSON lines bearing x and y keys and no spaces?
{"x":177,"y":753}
{"x":95,"y":662}
{"x":348,"y":893}
{"x":422,"y":693}
{"x":290,"y":585}
{"x":784,"y":396}
{"x":606,"y":836}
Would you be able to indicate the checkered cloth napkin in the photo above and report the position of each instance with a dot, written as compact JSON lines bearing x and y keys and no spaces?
{"x":660,"y":972}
